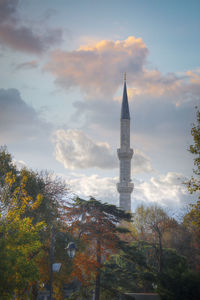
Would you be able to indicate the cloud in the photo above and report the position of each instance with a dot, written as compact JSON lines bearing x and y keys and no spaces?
{"x":161,"y":105}
{"x":166,"y":190}
{"x":141,"y":163}
{"x":26,"y":40}
{"x":23,"y":37}
{"x":20,"y":164}
{"x":75,"y":149}
{"x":101,"y":188}
{"x":105,"y":62}
{"x":27,"y":65}
{"x":17,"y":119}
{"x":97,"y":113}
{"x":156,"y":122}
{"x":177,"y":89}
{"x":8,"y":9}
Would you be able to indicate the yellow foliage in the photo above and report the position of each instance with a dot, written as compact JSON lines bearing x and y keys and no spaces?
{"x":20,"y":201}
{"x":38,"y":201}
{"x":21,"y":237}
{"x":10,"y":178}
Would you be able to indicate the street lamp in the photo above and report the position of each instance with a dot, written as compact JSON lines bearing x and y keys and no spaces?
{"x":71,"y":249}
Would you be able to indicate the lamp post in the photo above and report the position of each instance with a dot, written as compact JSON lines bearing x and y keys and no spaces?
{"x":71,"y":250}
{"x":51,"y":262}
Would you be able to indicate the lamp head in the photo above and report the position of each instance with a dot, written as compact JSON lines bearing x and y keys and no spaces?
{"x":71,"y":249}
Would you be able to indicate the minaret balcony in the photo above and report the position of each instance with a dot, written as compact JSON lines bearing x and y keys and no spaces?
{"x":125,"y":187}
{"x":125,"y":153}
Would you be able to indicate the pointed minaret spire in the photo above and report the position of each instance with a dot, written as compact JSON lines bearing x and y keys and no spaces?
{"x":125,"y":153}
{"x":125,"y":108}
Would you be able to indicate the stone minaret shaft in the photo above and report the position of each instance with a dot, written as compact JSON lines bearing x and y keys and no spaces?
{"x":125,"y":153}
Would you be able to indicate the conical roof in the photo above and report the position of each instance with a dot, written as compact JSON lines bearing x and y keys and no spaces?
{"x":125,"y":107}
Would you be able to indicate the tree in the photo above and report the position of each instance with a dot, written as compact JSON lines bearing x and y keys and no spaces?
{"x":128,"y":270}
{"x":6,"y":164}
{"x":177,"y":281}
{"x":96,"y":225}
{"x":133,"y":269}
{"x":52,"y":188}
{"x":51,"y":191}
{"x":151,"y":223}
{"x":193,"y":184}
{"x":191,"y":246}
{"x":19,"y":241}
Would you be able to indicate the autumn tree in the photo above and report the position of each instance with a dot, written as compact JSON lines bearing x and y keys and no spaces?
{"x":96,"y":224}
{"x":52,"y":191}
{"x":51,"y":187}
{"x":151,"y":224}
{"x":19,"y":241}
{"x":194,"y":183}
{"x":191,"y":240}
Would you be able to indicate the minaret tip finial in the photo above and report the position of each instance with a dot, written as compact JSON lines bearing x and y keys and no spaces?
{"x":125,"y":77}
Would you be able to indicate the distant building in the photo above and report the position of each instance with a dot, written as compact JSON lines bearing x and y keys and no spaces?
{"x":125,"y":153}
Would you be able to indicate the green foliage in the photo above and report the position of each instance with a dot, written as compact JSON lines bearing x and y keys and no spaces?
{"x":19,"y":242}
{"x":111,"y":212}
{"x":193,"y":184}
{"x":132,"y":270}
{"x":29,"y":199}
{"x":195,"y":148}
{"x":129,"y":270}
{"x":6,"y":164}
{"x":177,"y":282}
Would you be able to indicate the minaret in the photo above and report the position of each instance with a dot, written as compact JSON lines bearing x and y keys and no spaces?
{"x":125,"y":153}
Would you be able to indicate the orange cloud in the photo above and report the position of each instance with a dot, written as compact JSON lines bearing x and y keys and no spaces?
{"x":194,"y":77}
{"x":98,"y":69}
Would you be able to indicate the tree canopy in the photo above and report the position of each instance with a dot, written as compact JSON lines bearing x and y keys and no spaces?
{"x":117,"y":252}
{"x":194,"y":183}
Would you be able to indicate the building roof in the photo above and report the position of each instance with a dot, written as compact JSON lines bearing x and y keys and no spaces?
{"x":125,"y":107}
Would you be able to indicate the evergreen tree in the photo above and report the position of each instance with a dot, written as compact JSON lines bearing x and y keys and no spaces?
{"x":96,"y":225}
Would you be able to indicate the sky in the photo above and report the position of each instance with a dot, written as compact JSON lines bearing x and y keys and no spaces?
{"x":61,"y":84}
